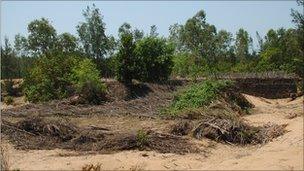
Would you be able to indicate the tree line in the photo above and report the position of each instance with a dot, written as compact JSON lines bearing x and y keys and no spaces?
{"x":195,"y":48}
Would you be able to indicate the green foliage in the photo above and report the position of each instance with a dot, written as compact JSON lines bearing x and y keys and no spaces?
{"x":9,"y":61}
{"x":126,"y":67}
{"x":8,"y":100}
{"x":49,"y":78}
{"x":86,"y":78}
{"x":92,"y":33}
{"x":185,"y":66}
{"x":141,"y":138}
{"x":66,"y":42}
{"x":281,"y":52}
{"x":57,"y":76}
{"x":145,"y":59}
{"x":197,"y":95}
{"x":42,"y":36}
{"x":154,"y":59}
{"x":242,"y":43}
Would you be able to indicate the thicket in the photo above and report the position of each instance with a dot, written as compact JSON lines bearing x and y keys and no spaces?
{"x":58,"y":75}
{"x":145,"y":59}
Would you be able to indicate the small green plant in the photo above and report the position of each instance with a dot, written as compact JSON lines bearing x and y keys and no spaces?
{"x":196,"y":95}
{"x":9,"y":100}
{"x":141,"y":138}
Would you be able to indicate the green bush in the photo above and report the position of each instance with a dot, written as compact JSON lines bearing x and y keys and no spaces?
{"x":183,"y":65}
{"x":154,"y":57}
{"x":50,"y":78}
{"x":141,"y":138}
{"x":148,"y":59}
{"x":86,"y":78}
{"x":197,"y":95}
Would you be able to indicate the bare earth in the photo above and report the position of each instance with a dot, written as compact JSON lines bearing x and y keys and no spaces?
{"x":283,"y":153}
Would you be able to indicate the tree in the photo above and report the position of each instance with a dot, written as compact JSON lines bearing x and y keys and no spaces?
{"x":242,"y":43}
{"x":298,"y":19}
{"x":126,"y":28}
{"x":200,"y":38}
{"x":153,"y":31}
{"x":126,"y":59}
{"x":224,"y":48}
{"x":21,"y":45}
{"x":42,"y":36}
{"x":153,"y":59}
{"x":92,"y":34}
{"x":9,"y":63}
{"x":281,"y":50}
{"x":175,"y":38}
{"x":67,"y":43}
{"x":138,"y":34}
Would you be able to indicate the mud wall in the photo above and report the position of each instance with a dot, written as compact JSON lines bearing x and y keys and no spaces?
{"x":268,"y":87}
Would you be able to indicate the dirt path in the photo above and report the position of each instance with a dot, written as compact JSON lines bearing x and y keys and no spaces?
{"x":284,"y":153}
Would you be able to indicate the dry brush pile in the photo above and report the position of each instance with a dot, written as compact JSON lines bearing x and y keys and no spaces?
{"x":218,"y":106}
{"x":38,"y":133}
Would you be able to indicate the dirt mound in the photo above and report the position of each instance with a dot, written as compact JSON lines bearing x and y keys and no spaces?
{"x":119,"y":91}
{"x":145,"y":103}
{"x":36,"y":133}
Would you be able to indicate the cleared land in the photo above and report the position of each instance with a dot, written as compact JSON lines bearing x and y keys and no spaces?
{"x":123,"y":119}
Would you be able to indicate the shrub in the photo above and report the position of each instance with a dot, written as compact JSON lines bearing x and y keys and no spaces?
{"x":154,"y":57}
{"x":49,"y":78}
{"x":86,"y":78}
{"x":141,"y":138}
{"x":9,"y":100}
{"x":183,"y":64}
{"x":197,"y":95}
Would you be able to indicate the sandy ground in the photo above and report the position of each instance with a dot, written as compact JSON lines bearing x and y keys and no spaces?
{"x":283,"y":153}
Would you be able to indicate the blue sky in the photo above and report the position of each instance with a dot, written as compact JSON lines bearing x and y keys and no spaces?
{"x":229,"y":15}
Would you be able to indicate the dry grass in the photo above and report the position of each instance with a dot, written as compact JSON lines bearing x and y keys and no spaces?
{"x":4,"y":158}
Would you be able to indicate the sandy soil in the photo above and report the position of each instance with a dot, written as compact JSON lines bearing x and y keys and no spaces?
{"x":18,"y":101}
{"x":283,"y":153}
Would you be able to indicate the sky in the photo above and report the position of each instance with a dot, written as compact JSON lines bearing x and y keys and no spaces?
{"x":229,"y":15}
